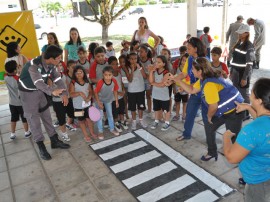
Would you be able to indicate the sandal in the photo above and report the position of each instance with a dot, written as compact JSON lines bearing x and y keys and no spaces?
{"x":181,"y":138}
{"x":175,"y":118}
{"x":101,"y":136}
{"x":87,"y":139}
{"x":94,"y":136}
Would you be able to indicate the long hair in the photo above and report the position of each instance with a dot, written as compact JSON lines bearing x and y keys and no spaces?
{"x":79,"y":41}
{"x":55,"y":38}
{"x":245,"y":43}
{"x":11,"y":49}
{"x":147,"y":50}
{"x":79,"y":67}
{"x":197,"y":43}
{"x":165,"y":61}
{"x":261,"y":90}
{"x":146,"y":24}
{"x":205,"y":66}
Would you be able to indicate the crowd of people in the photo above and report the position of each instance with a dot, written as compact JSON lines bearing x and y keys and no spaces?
{"x":73,"y":80}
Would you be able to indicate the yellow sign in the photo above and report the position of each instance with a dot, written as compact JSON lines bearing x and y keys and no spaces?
{"x":18,"y":27}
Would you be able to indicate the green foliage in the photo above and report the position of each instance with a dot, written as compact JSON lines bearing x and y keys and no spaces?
{"x":142,"y":2}
{"x":166,"y":1}
{"x":179,"y":1}
{"x":152,"y":2}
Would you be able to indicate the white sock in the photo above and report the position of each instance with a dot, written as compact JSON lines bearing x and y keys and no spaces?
{"x":167,"y":122}
{"x":27,"y":132}
{"x":157,"y":121}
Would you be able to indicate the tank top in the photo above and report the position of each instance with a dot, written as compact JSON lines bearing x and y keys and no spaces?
{"x":145,"y":65}
{"x":137,"y":84}
{"x":77,"y":101}
{"x":143,"y":38}
{"x":157,"y":92}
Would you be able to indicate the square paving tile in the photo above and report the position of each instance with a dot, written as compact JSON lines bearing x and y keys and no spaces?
{"x":6,"y":195}
{"x":3,"y":165}
{"x":1,"y":151}
{"x":231,"y":177}
{"x":4,"y":181}
{"x":18,"y":146}
{"x":234,"y":197}
{"x":21,"y":158}
{"x":83,"y":153}
{"x":26,"y":173}
{"x":4,"y":113}
{"x":67,"y":178}
{"x":37,"y":190}
{"x":82,"y":192}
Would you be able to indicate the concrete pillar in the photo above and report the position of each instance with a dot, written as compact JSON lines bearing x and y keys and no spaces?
{"x":192,"y":17}
{"x":23,"y":5}
{"x":224,"y":22}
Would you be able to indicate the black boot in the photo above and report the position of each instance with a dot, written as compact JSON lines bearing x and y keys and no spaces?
{"x":255,"y":65}
{"x":56,"y":143}
{"x":258,"y":63}
{"x":43,"y":151}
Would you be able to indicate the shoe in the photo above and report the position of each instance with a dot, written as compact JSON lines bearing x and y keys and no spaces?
{"x":87,"y":139}
{"x":143,"y":124}
{"x":28,"y":134}
{"x":56,"y":124}
{"x":203,"y":158}
{"x":94,"y":136}
{"x":175,"y":118}
{"x":43,"y":151}
{"x":246,"y":118}
{"x":241,"y":181}
{"x":181,"y":138}
{"x":106,"y":124}
{"x":70,"y":127}
{"x":134,"y":125}
{"x":56,"y":143}
{"x":115,"y":132}
{"x":65,"y":137}
{"x":101,"y":136}
{"x":12,"y":136}
{"x":118,"y":127}
{"x":165,"y":127}
{"x":183,"y":118}
{"x":124,"y":125}
{"x":154,"y":125}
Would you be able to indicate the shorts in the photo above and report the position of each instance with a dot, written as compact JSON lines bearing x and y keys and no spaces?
{"x":16,"y":113}
{"x":136,"y":100}
{"x":147,"y":86}
{"x":179,"y":97}
{"x":161,"y":105}
{"x":85,"y":115}
{"x":120,"y":109}
{"x":62,"y":110}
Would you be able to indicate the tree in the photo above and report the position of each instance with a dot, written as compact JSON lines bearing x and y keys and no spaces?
{"x":53,"y":8}
{"x":104,"y":13}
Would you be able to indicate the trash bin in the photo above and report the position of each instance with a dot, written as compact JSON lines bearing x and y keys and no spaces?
{"x":199,"y":33}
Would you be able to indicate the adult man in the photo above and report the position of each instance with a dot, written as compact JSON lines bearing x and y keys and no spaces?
{"x":233,"y":36}
{"x":33,"y":92}
{"x":259,"y":39}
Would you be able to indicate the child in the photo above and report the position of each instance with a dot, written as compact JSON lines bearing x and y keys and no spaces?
{"x":120,"y":111}
{"x":160,"y":93}
{"x":188,"y":36}
{"x":98,"y":65}
{"x":207,"y":40}
{"x":179,"y":94}
{"x":145,"y":60}
{"x":105,"y":93}
{"x":124,"y":72}
{"x":125,"y":49}
{"x":81,"y":92}
{"x":83,"y":59}
{"x":160,"y":46}
{"x":216,"y":64}
{"x":91,"y":50}
{"x":109,"y":49}
{"x":62,"y":110}
{"x":135,"y":46}
{"x":176,"y":63}
{"x":15,"y":104}
{"x":136,"y":89}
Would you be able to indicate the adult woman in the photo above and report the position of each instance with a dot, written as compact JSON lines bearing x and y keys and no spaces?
{"x":52,"y":40}
{"x":252,"y":147}
{"x":143,"y":33}
{"x":218,"y":98}
{"x":71,"y":47}
{"x":195,"y":49}
{"x":14,"y":53}
{"x":241,"y":65}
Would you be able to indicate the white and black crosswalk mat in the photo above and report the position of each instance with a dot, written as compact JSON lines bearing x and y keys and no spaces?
{"x":153,"y":171}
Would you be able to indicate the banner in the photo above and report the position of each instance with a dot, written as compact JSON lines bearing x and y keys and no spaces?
{"x":19,"y":27}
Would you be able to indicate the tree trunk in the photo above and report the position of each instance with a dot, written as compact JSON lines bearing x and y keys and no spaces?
{"x":105,"y":36}
{"x":55,"y":15}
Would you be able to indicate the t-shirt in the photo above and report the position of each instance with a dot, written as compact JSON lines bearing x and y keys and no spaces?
{"x":160,"y":93}
{"x":96,"y":70}
{"x":72,"y":50}
{"x":13,"y":90}
{"x":255,"y":137}
{"x":85,"y":65}
{"x":105,"y":91}
{"x":222,"y":67}
{"x":206,"y":39}
{"x":118,"y":78}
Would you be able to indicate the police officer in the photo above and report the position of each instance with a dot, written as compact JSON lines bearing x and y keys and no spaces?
{"x":34,"y":91}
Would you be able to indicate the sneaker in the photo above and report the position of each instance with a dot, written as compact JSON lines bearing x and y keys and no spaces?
{"x":70,"y":127}
{"x":176,"y":118}
{"x":242,"y":182}
{"x":27,"y":134}
{"x":115,"y":132}
{"x":134,"y":125}
{"x":118,"y":127}
{"x":65,"y":137}
{"x":56,"y":124}
{"x":154,"y":125}
{"x":12,"y":136}
{"x":143,"y":124}
{"x":165,"y":127}
{"x":106,"y":124}
{"x":124,"y":125}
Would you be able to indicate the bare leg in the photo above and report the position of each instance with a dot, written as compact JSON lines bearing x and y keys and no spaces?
{"x":149,"y":100}
{"x":133,"y":113}
{"x":140,"y":112}
{"x":83,"y":128}
{"x":63,"y":128}
{"x":90,"y":125}
{"x":13,"y":126}
{"x":167,"y":116}
{"x":177,"y":108}
{"x":25,"y":126}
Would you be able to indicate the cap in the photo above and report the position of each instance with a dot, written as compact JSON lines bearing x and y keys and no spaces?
{"x":242,"y":29}
{"x":240,"y":17}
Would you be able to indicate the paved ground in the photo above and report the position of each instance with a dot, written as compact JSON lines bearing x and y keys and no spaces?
{"x":78,"y":174}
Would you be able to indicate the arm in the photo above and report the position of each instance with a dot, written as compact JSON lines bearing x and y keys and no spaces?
{"x":212,"y":109}
{"x":157,"y":39}
{"x":142,"y":72}
{"x":72,"y":92}
{"x":66,"y":56}
{"x":228,"y":34}
{"x":186,"y":87}
{"x":100,"y":104}
{"x":234,"y":153}
{"x":92,"y":72}
{"x":25,"y":60}
{"x":245,"y":106}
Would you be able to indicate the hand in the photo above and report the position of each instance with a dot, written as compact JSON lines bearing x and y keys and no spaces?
{"x":168,"y":79}
{"x":65,"y":100}
{"x":209,"y":119}
{"x":243,"y":83}
{"x":100,"y":105}
{"x":180,"y":90}
{"x":151,"y":68}
{"x":58,"y":92}
{"x":121,"y":93}
{"x":116,"y":104}
{"x":241,"y":106}
{"x":83,"y":95}
{"x":228,"y":133}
